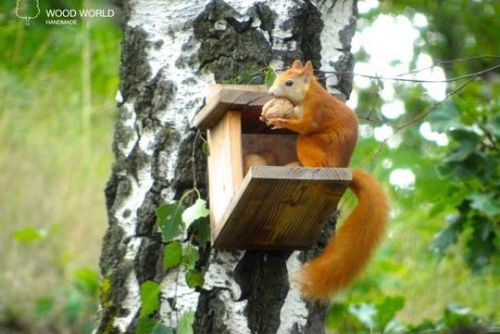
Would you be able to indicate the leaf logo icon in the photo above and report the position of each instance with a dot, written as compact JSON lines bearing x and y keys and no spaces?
{"x":27,"y":9}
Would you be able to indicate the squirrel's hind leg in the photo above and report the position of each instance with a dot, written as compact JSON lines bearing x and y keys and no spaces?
{"x":311,"y":153}
{"x":318,"y":151}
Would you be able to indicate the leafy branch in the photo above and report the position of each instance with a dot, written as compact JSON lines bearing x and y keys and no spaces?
{"x":174,"y":220}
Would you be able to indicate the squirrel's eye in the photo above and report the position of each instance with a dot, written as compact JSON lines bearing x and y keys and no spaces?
{"x":289,"y":83}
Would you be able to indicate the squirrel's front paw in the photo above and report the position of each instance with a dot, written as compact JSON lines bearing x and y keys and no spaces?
{"x":276,"y":123}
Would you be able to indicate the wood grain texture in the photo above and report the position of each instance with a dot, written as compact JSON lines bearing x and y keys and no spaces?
{"x":225,"y":166}
{"x":281,"y":207}
{"x":230,"y":97}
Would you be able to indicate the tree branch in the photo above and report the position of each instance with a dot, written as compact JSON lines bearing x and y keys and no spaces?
{"x":400,"y":127}
{"x":444,"y":62}
{"x":432,"y":107}
{"x":458,"y":78}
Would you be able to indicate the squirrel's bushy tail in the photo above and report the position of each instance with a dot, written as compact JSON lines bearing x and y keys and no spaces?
{"x":353,"y":243}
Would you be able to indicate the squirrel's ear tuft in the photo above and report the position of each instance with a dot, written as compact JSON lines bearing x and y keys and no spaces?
{"x":308,"y":68}
{"x":308,"y":71}
{"x":297,"y":64}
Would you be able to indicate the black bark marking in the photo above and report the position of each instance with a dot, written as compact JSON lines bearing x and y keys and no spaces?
{"x":112,"y":244}
{"x":154,"y":98}
{"x":263,"y":279}
{"x":266,"y":16}
{"x":346,"y":62}
{"x":306,"y":25}
{"x":117,"y":277}
{"x":149,"y":260}
{"x":134,"y":68}
{"x":317,"y":312}
{"x":209,"y":317}
{"x":235,"y":49}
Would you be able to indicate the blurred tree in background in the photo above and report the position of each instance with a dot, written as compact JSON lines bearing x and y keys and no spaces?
{"x":57,"y":88}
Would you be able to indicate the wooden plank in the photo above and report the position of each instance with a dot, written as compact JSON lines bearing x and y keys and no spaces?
{"x":281,"y":207}
{"x":222,"y":98}
{"x":212,"y":91}
{"x":225,"y":166}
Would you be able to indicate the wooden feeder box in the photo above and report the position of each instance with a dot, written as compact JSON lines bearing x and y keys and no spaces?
{"x":270,"y":207}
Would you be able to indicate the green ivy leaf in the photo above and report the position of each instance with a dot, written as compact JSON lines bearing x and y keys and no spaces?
{"x":270,"y":76}
{"x":185,"y":325}
{"x":195,"y":211}
{"x":29,"y":234}
{"x":149,"y":297}
{"x":201,"y":230}
{"x":162,"y":329}
{"x":168,"y":217}
{"x":172,"y":254}
{"x":245,"y":77}
{"x":194,"y":278}
{"x":387,"y":309}
{"x":145,"y":325}
{"x":190,"y":256}
{"x":205,"y":148}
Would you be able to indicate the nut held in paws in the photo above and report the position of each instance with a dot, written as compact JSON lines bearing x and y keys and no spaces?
{"x":277,"y":108}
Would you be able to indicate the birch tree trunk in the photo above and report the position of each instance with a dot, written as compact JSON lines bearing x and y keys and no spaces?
{"x":171,"y":52}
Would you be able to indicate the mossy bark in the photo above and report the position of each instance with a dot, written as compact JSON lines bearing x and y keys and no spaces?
{"x":170,"y":52}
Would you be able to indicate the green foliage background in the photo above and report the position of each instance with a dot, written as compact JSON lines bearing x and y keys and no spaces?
{"x":443,"y":242}
{"x":55,"y":160}
{"x":442,"y":249}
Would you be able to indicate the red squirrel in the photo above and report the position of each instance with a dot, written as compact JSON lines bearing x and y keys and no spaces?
{"x":328,"y":131}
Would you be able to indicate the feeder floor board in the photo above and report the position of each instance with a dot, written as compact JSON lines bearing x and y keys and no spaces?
{"x":280,"y":208}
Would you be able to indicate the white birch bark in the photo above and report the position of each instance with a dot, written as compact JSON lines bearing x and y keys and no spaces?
{"x":171,"y":52}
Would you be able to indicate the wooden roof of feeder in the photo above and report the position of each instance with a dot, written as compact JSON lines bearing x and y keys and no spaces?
{"x":221,"y":98}
{"x":271,"y":207}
